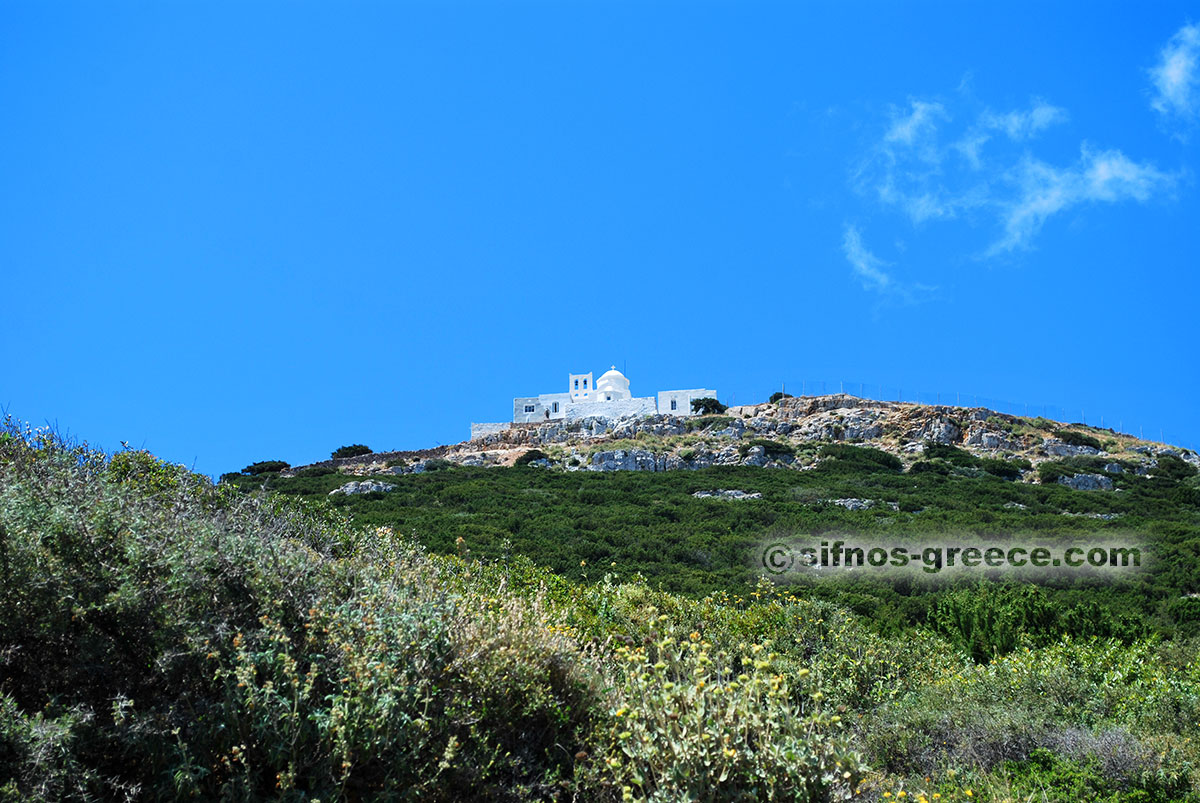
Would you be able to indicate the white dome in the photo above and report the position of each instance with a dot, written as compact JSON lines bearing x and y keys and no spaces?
{"x":614,"y":383}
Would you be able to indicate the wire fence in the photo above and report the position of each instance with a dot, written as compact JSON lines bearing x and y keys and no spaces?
{"x":1053,"y":412}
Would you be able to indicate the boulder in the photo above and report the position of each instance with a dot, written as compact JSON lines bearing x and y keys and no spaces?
{"x":1087,"y":482}
{"x":626,"y":460}
{"x":755,"y":456}
{"x":364,"y":487}
{"x":1055,"y":447}
{"x":721,"y":493}
{"x":937,"y":429}
{"x":853,"y":504}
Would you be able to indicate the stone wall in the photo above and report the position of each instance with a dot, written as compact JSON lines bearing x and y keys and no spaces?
{"x":480,"y":430}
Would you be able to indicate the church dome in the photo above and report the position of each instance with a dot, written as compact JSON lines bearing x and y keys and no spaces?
{"x":613,"y":384}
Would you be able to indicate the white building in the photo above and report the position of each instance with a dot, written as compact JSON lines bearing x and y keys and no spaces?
{"x":608,"y":397}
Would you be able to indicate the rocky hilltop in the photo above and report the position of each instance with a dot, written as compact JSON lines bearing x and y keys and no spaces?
{"x":786,"y":433}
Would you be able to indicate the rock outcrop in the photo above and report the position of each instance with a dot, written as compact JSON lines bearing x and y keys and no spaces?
{"x":364,"y":487}
{"x":721,"y":493}
{"x":1087,"y":482}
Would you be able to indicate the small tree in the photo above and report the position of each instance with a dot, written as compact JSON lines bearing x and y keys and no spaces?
{"x":265,"y":467}
{"x":779,"y":395}
{"x":708,"y":406}
{"x":354,"y":450}
{"x":529,"y":457}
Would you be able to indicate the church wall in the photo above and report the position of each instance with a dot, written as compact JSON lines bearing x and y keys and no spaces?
{"x":617,"y":408}
{"x":527,"y":409}
{"x":682,"y":399}
{"x":541,"y":405}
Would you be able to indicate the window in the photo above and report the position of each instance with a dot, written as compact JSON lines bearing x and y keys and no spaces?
{"x":608,"y":397}
{"x":577,"y":384}
{"x":529,"y":408}
{"x":556,"y":407}
{"x":585,"y":384}
{"x":674,"y":404}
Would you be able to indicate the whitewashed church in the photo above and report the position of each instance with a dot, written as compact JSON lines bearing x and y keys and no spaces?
{"x":608,"y":397}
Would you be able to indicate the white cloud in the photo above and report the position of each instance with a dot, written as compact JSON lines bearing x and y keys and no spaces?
{"x":1018,"y":125}
{"x":1044,"y":190}
{"x":1023,"y":125}
{"x":1176,"y":78}
{"x":916,"y":126}
{"x":1003,"y":186}
{"x":867,"y":267}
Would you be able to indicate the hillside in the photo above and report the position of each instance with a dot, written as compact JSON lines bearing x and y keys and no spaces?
{"x":913,"y":473}
{"x":262,"y":638}
{"x":786,"y":428}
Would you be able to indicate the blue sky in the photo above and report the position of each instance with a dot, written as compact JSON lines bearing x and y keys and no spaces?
{"x":247,"y":231}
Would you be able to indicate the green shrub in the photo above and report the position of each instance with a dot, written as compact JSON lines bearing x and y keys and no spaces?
{"x":265,"y":467}
{"x":951,"y":454}
{"x":1173,"y":468}
{"x":843,"y":458}
{"x":316,"y":471}
{"x":708,"y":422}
{"x":708,"y":406}
{"x":354,"y":450}
{"x":529,"y":457}
{"x":438,"y":464}
{"x":779,"y":396}
{"x":1073,"y":438}
{"x":164,"y":635}
{"x":685,"y":727}
{"x":1005,"y":469}
{"x":1050,"y":470}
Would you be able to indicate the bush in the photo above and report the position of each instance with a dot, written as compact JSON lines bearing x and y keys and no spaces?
{"x":164,"y":635}
{"x":951,"y":454}
{"x":1074,"y":438}
{"x":529,"y":457}
{"x":708,"y":421}
{"x":1173,"y":468}
{"x":779,"y":396}
{"x":683,"y":726}
{"x":708,"y":406}
{"x":845,"y":458}
{"x":265,"y":467}
{"x":1005,"y":469}
{"x":316,"y":471}
{"x":354,"y":450}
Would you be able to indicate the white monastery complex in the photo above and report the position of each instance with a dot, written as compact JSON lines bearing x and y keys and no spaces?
{"x":606,"y":397}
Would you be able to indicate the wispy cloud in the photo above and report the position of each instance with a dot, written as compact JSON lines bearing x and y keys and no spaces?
{"x":1176,"y":78}
{"x":1098,"y":177}
{"x":904,"y":169}
{"x":1019,"y":125}
{"x":866,"y":266}
{"x":916,"y":126}
{"x":1023,"y":125}
{"x":910,"y":169}
{"x":875,"y":275}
